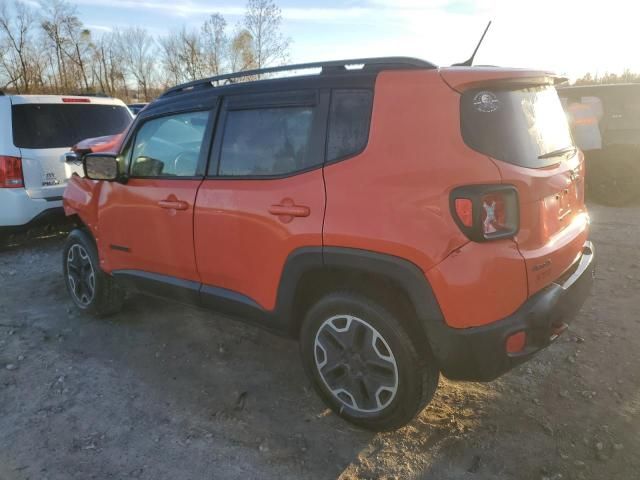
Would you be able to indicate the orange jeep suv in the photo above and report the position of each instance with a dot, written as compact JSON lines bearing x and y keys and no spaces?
{"x":399,"y":219}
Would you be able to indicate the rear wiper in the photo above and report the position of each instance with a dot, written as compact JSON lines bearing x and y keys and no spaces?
{"x":561,"y":151}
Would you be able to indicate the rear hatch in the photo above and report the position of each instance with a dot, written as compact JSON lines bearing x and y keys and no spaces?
{"x":520,"y":124}
{"x":45,"y":128}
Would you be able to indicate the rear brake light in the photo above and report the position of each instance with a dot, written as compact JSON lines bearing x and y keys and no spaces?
{"x":11,"y":172}
{"x":464,"y":211}
{"x":76,"y":100}
{"x":486,"y":212}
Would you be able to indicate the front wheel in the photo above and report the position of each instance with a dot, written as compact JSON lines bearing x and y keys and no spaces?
{"x":364,"y":364}
{"x":89,"y":287}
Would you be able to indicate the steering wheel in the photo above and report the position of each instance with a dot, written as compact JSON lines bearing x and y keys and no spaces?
{"x":184,"y":164}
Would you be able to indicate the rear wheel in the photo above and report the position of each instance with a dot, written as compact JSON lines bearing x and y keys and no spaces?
{"x":364,"y":364}
{"x":89,"y":287}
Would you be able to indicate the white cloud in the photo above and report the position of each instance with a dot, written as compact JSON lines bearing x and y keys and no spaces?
{"x":188,"y":8}
{"x":100,"y":28}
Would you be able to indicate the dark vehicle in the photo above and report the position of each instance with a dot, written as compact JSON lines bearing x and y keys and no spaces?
{"x":136,"y":108}
{"x":605,"y":120}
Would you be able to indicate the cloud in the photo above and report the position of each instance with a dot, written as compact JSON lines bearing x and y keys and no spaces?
{"x":32,"y":3}
{"x":178,"y":7}
{"x":100,"y":28}
{"x":189,"y":8}
{"x":366,"y":10}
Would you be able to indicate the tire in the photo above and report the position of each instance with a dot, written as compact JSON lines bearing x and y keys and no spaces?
{"x":90,"y":289}
{"x":363,"y":363}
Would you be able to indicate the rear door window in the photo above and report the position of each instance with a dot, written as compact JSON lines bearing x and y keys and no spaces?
{"x":519,"y":126}
{"x":267,"y":142}
{"x":37,"y":126}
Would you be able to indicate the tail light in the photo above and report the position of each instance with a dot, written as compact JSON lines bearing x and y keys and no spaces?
{"x":516,"y":342}
{"x":76,"y":100}
{"x":11,"y":172}
{"x":486,"y":212}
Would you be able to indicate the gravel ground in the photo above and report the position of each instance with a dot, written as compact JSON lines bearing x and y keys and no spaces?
{"x":162,"y":391}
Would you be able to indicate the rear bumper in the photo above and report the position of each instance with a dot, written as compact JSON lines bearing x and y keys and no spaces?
{"x":479,"y":353}
{"x":45,"y":217}
{"x":18,"y":210}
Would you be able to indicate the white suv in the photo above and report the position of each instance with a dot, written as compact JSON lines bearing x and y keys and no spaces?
{"x":35,"y":133}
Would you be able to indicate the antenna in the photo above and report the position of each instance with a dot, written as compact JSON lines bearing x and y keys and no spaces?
{"x":469,"y":62}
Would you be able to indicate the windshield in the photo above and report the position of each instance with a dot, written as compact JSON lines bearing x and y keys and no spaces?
{"x":524,"y":127}
{"x":61,"y":125}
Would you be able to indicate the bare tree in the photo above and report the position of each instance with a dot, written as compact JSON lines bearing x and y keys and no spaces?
{"x":39,"y":62}
{"x":191,"y":54}
{"x":215,"y":44}
{"x":17,"y":53}
{"x":54,"y":16}
{"x":138,"y":51}
{"x":242,"y":55}
{"x":78,"y":47}
{"x":170,"y":54}
{"x":263,"y":20}
{"x":108,"y":65}
{"x":52,"y":51}
{"x":183,"y":56}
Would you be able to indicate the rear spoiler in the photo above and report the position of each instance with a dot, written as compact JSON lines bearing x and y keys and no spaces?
{"x":461,"y":78}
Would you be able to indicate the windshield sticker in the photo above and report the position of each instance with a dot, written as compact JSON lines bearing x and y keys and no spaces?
{"x":486,"y":102}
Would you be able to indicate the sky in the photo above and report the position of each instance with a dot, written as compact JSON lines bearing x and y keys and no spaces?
{"x":570,"y":37}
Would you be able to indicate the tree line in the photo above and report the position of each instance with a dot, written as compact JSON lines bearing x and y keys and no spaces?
{"x":608,"y":78}
{"x":49,"y":50}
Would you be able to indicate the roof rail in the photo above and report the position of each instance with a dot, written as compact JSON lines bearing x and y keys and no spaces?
{"x":335,"y":65}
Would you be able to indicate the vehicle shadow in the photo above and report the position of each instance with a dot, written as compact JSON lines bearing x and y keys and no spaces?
{"x":243,"y":388}
{"x":34,"y":239}
{"x":189,"y":376}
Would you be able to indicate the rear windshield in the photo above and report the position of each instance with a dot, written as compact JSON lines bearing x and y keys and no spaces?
{"x":516,"y":126}
{"x":61,"y":125}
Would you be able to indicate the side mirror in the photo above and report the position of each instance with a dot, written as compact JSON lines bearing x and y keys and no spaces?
{"x":100,"y":166}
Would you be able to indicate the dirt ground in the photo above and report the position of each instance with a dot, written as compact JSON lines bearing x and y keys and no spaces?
{"x":162,"y":391}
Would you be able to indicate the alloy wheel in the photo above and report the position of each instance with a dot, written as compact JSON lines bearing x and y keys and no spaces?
{"x":81,"y":275}
{"x":356,"y":363}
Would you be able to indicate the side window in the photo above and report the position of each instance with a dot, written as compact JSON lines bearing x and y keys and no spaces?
{"x":267,"y":142}
{"x":169,"y":146}
{"x":349,"y":119}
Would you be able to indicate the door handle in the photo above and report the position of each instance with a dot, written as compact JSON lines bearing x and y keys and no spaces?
{"x":287,"y":210}
{"x":173,"y":204}
{"x":290,"y":211}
